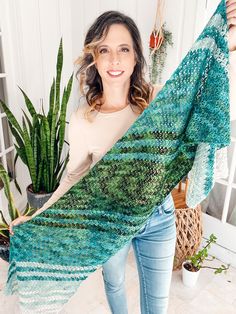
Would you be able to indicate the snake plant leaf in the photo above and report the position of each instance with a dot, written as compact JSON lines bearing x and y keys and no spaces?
{"x":22,"y":154}
{"x":5,"y":179}
{"x":17,"y":185}
{"x":62,"y":168}
{"x":2,"y":221}
{"x":46,"y":128}
{"x":56,"y":108}
{"x":18,"y":139}
{"x":28,"y":103}
{"x":28,"y":121}
{"x":3,"y":227}
{"x":65,"y":98}
{"x":5,"y":234}
{"x":51,"y":102}
{"x":13,"y":211}
{"x":43,"y":111}
{"x":15,"y":180}
{"x":35,"y":138}
{"x":12,"y":120}
{"x":59,"y":70}
{"x":53,"y":137}
{"x":47,"y":180}
{"x":61,"y":125}
{"x":29,"y":211}
{"x":39,"y":176}
{"x":56,"y":156}
{"x":46,"y":151}
{"x":26,"y":211}
{"x":43,"y":137}
{"x":29,"y":154}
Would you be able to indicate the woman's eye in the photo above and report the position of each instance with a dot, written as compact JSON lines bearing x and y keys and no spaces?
{"x":103,"y":50}
{"x":124,"y":49}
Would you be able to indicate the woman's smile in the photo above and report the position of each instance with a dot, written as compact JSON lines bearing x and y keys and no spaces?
{"x":113,"y":73}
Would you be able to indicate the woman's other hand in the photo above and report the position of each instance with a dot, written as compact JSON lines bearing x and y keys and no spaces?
{"x":18,"y":221}
{"x":231,"y":19}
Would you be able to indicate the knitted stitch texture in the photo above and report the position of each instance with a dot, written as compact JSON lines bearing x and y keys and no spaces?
{"x":180,"y":130}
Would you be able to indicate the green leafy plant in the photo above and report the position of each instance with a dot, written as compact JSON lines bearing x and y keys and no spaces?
{"x":157,"y":58}
{"x":12,"y":210}
{"x":40,"y":139}
{"x":195,"y":262}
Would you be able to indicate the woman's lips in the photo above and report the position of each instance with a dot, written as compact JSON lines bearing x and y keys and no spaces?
{"x":115,"y":73}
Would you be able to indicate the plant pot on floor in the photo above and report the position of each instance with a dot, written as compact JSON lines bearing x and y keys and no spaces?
{"x":37,"y":200}
{"x":4,"y":250}
{"x":190,"y":274}
{"x":192,"y":266}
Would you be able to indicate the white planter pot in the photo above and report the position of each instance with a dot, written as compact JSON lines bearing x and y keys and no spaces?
{"x":189,"y":277}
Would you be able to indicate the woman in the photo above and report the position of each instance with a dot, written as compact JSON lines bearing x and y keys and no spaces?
{"x":111,"y":77}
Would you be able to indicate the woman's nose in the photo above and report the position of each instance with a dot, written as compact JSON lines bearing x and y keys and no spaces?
{"x":115,"y":59}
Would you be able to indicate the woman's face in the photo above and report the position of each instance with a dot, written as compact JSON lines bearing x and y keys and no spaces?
{"x":115,"y":56}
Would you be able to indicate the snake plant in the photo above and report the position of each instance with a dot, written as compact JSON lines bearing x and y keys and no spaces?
{"x":12,"y":210}
{"x":40,"y":138}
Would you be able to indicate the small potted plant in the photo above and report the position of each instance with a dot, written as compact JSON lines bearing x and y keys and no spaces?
{"x":13,"y":214}
{"x":40,"y":140}
{"x":192,"y":266}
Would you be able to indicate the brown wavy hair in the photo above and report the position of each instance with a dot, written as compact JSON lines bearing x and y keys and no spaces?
{"x":90,"y":81}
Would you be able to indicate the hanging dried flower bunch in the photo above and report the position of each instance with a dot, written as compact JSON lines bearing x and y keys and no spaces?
{"x":160,"y":38}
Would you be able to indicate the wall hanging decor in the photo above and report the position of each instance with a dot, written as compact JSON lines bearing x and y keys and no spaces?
{"x":160,"y":39}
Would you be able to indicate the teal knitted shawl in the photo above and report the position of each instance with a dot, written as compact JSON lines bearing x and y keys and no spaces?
{"x":179,"y":131}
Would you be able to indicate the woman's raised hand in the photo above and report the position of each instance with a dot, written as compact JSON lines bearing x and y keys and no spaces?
{"x":18,"y":221}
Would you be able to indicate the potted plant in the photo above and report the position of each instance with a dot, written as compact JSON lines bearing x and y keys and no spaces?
{"x":40,"y":139}
{"x":192,"y":266}
{"x":13,"y":214}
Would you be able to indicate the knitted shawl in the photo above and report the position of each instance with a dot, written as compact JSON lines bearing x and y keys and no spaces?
{"x":181,"y":130}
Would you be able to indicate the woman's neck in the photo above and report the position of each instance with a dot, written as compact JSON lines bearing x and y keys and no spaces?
{"x":114,"y":97}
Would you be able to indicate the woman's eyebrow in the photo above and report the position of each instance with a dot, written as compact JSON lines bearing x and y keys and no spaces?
{"x":121,"y":45}
{"x":125,"y":45}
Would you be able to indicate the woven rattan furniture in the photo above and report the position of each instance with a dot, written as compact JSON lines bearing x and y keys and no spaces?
{"x":188,"y":226}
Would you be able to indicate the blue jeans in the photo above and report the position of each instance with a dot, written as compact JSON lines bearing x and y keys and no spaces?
{"x":154,"y":248}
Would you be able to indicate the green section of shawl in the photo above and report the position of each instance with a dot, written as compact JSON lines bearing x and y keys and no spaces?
{"x":104,"y":210}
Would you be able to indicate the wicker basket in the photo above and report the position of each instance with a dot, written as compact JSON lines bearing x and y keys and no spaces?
{"x":189,"y":227}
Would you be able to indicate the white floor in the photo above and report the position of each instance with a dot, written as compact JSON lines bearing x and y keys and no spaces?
{"x":214,"y":294}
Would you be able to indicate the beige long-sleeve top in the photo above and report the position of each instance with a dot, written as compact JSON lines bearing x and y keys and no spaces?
{"x":89,"y":142}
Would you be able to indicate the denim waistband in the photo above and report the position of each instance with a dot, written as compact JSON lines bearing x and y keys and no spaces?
{"x":165,"y":211}
{"x":165,"y":205}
